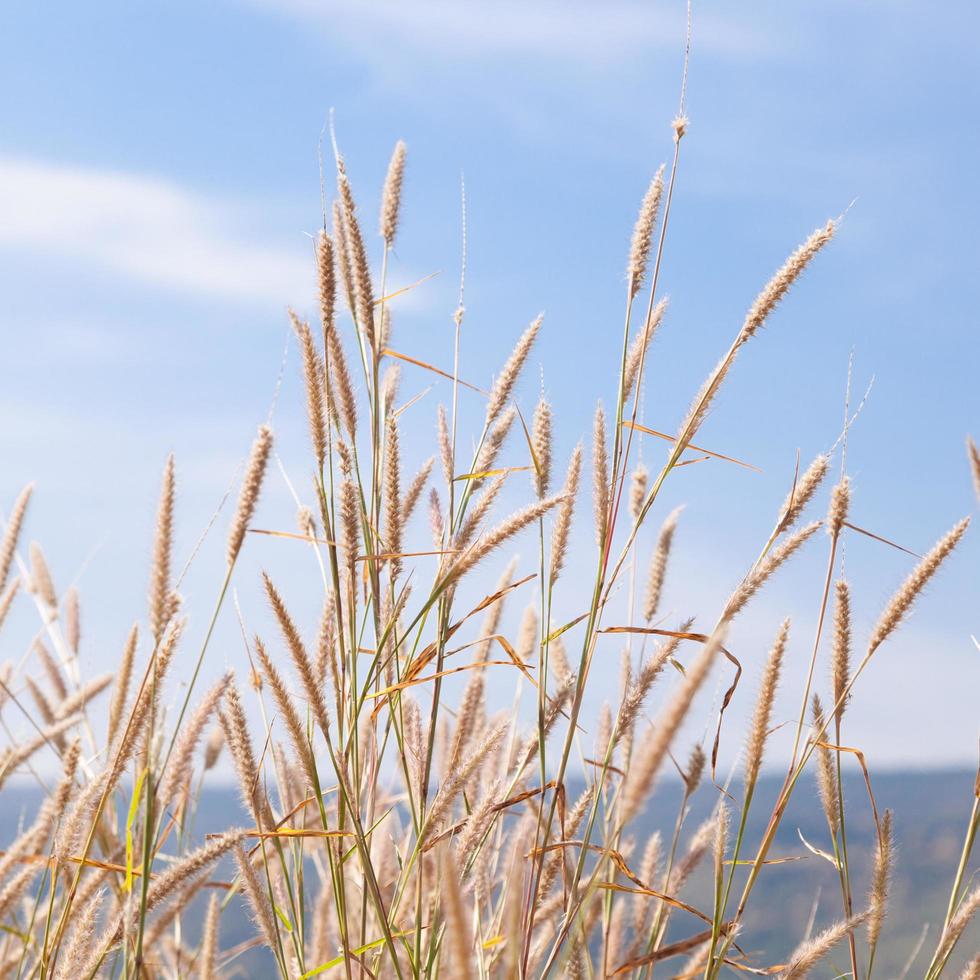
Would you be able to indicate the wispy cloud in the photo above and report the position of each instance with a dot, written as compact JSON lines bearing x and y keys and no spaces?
{"x":145,"y":228}
{"x":579,"y":30}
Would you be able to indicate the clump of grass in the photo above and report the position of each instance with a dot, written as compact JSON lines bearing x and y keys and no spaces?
{"x":398,"y":834}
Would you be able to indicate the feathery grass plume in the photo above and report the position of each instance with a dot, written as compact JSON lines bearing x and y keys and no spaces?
{"x":658,"y":564}
{"x":326,"y":280}
{"x":389,"y":385}
{"x":639,"y":347}
{"x":638,"y":689}
{"x":235,"y":728}
{"x":15,"y":888}
{"x":841,"y":656}
{"x":563,"y":522}
{"x":638,"y":490}
{"x":51,"y":670}
{"x":696,"y":762}
{"x":649,"y":864}
{"x":385,"y":338}
{"x":764,"y":304}
{"x":445,"y":445}
{"x":778,"y":286}
{"x":974,"y":455}
{"x":646,"y":763}
{"x":249,"y":495}
{"x":809,"y":953}
{"x":78,"y":699}
{"x":7,"y":599}
{"x":458,"y":933}
{"x":392,"y":492}
{"x":325,"y":659}
{"x":802,"y":493}
{"x":179,"y":768}
{"x":392,"y":195}
{"x":415,"y":488}
{"x":8,"y":546}
{"x":504,"y":383}
{"x":703,"y":841}
{"x":299,"y":655}
{"x":257,"y":898}
{"x":43,"y":704}
{"x":762,"y":717}
{"x":840,"y":501}
{"x":957,"y":925}
{"x":501,"y":533}
{"x":342,"y":250}
{"x":449,"y":790}
{"x":81,"y":938}
{"x":541,"y":443}
{"x":646,"y":222}
{"x":313,"y":377}
{"x":179,"y":874}
{"x":468,"y":719}
{"x":902,"y":601}
{"x":826,"y":776}
{"x":41,"y":582}
{"x":121,"y":693}
{"x":206,"y":962}
{"x":14,"y":755}
{"x":213,"y":746}
{"x":290,"y":716}
{"x":972,"y":969}
{"x":474,"y":519}
{"x":73,"y":622}
{"x":600,"y":476}
{"x":721,"y":838}
{"x":357,"y":253}
{"x":163,"y":542}
{"x":492,"y":445}
{"x":527,"y":634}
{"x":762,"y":571}
{"x":340,"y":374}
{"x":350,"y":530}
{"x":477,"y":823}
{"x":878,"y":896}
{"x":435,"y":518}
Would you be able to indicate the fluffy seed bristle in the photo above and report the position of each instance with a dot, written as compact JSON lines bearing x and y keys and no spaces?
{"x":15,"y":522}
{"x":541,"y":442}
{"x":354,"y":241}
{"x":658,"y":564}
{"x":762,"y":718}
{"x":393,"y":506}
{"x":841,"y":656}
{"x":163,"y":543}
{"x":911,"y":588}
{"x":392,"y":195}
{"x":641,"y":342}
{"x":41,"y":581}
{"x":809,"y":953}
{"x":878,"y":896}
{"x":505,"y":381}
{"x":826,"y":775}
{"x":563,"y":522}
{"x":802,"y":493}
{"x":840,"y":501}
{"x":779,"y":285}
{"x":313,"y":377}
{"x":249,"y":495}
{"x":638,"y":490}
{"x":646,"y":222}
{"x":600,"y":476}
{"x":343,"y":257}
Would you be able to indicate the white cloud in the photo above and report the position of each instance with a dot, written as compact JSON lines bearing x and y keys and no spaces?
{"x":145,"y":228}
{"x":582,"y":30}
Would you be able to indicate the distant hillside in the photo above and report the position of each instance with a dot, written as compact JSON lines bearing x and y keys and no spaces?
{"x":931,"y":809}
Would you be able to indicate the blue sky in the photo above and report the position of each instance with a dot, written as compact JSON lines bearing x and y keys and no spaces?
{"x":158,"y":187}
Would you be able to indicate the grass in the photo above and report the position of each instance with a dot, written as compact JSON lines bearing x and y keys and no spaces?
{"x":393,"y":834}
